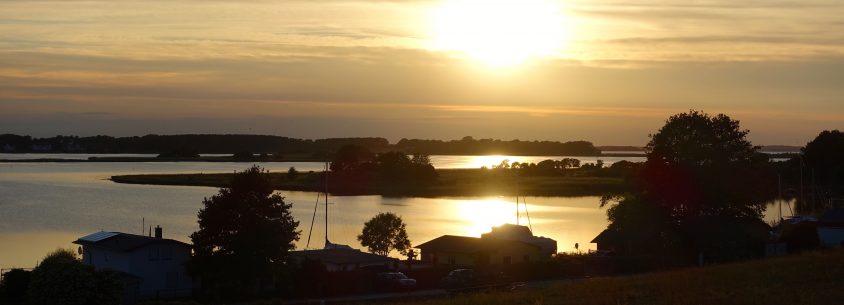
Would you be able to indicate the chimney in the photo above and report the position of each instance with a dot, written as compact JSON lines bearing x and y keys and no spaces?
{"x":158,"y":232}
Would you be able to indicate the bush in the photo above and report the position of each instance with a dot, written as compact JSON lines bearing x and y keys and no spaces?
{"x":14,"y":286}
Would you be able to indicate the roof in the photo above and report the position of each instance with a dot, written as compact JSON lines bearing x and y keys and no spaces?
{"x":123,"y":242}
{"x":465,"y":244}
{"x":341,"y":256}
{"x":606,"y":236}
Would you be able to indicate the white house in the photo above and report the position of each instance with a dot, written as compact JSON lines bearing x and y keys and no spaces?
{"x":152,"y":266}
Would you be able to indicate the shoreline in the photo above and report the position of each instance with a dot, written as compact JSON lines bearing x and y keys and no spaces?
{"x":451,"y":182}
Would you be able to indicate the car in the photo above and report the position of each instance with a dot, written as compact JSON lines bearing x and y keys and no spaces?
{"x":395,"y":281}
{"x":469,"y":279}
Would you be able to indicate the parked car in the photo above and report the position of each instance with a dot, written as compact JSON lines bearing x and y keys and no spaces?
{"x":469,"y":279}
{"x":395,"y":281}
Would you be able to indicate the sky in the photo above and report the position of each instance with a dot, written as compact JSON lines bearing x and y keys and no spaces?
{"x":606,"y":71}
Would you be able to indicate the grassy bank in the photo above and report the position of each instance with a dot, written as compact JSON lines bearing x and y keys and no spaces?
{"x":451,"y":182}
{"x":814,"y":278}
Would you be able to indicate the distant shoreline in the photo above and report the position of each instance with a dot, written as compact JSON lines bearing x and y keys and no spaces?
{"x":291,"y":158}
{"x":451,"y":182}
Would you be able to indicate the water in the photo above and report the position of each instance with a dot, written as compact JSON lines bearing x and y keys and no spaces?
{"x":44,"y":206}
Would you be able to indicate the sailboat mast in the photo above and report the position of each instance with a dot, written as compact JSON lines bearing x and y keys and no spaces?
{"x":326,"y":202}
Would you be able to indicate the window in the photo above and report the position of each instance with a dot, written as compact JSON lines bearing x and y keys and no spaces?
{"x":105,"y":256}
{"x":452,"y":260}
{"x":507,"y":260}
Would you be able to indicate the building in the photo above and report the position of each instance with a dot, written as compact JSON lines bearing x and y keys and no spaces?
{"x":607,"y":241}
{"x":338,"y":259}
{"x":152,"y":266}
{"x":830,"y":229}
{"x":473,"y":251}
{"x":522,"y":233}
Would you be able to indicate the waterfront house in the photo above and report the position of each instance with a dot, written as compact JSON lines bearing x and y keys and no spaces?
{"x":152,"y":266}
{"x":467,"y":251}
{"x":830,"y":229}
{"x":524,"y":234}
{"x":607,"y":241}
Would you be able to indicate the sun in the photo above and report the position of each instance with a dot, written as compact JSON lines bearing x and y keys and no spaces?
{"x":500,"y":32}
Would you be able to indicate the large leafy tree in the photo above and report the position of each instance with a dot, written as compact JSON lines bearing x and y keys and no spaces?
{"x":245,"y":232}
{"x":825,"y":156}
{"x":702,"y":190}
{"x":699,"y":165}
{"x":384,"y":233}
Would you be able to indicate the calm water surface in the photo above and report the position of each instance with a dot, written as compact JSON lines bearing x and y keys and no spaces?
{"x":47,"y":205}
{"x":44,"y":206}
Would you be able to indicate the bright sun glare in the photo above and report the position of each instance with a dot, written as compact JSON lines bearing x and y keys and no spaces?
{"x":500,"y":32}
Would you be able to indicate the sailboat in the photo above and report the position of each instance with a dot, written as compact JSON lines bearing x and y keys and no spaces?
{"x":328,"y":244}
{"x":339,"y":257}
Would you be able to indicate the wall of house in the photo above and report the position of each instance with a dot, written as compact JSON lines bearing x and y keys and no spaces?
{"x":162,"y":269}
{"x":449,"y":258}
{"x":516,"y":254}
{"x":105,"y":259}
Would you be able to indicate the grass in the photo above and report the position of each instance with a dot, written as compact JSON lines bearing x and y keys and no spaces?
{"x":451,"y":182}
{"x":812,"y":278}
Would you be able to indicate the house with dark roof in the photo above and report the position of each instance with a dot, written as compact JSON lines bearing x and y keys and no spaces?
{"x":830,"y":228}
{"x":467,"y":251}
{"x":152,"y":266}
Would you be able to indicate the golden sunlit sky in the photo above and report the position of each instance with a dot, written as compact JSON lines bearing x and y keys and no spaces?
{"x":607,"y":71}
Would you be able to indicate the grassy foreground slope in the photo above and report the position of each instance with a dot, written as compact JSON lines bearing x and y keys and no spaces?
{"x":813,"y":278}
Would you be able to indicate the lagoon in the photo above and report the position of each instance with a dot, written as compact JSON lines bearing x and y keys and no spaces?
{"x":44,"y":206}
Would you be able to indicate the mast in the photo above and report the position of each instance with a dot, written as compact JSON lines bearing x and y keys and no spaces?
{"x":779,"y":191}
{"x":326,"y":203}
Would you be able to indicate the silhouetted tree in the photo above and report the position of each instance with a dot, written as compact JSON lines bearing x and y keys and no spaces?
{"x":699,"y":164}
{"x":245,"y":232}
{"x":702,"y":188}
{"x":292,"y":173}
{"x":825,"y":156}
{"x":62,"y":279}
{"x":14,"y":287}
{"x":383,"y":233}
{"x":348,"y":158}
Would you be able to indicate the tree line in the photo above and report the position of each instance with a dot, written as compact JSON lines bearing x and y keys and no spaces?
{"x":227,"y":144}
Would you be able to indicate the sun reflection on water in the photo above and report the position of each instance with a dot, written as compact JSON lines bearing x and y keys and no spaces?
{"x":479,"y":216}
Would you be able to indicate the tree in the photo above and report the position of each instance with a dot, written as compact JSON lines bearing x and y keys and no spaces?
{"x":825,"y":155}
{"x":349,"y":157}
{"x":14,"y":286}
{"x":699,"y":164}
{"x":245,"y":232}
{"x":62,"y":279}
{"x":703,"y":188}
{"x":383,"y":233}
